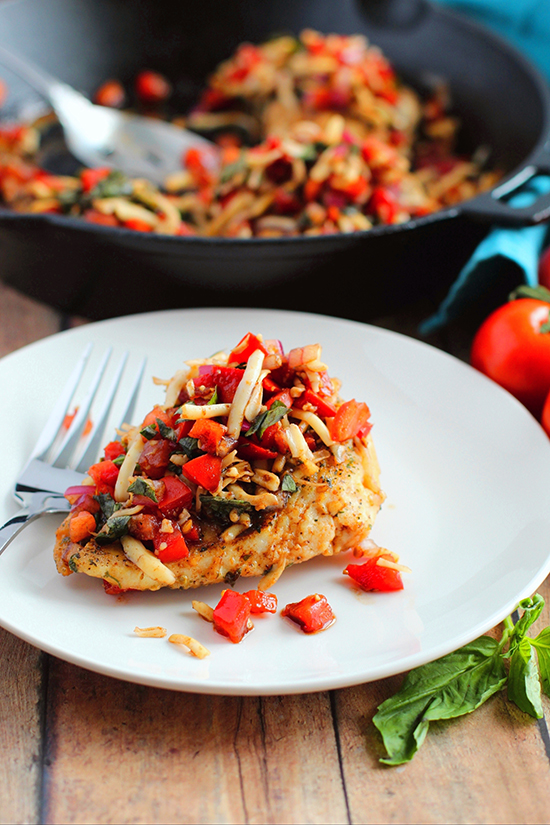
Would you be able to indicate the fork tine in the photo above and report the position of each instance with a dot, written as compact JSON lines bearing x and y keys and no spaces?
{"x":93,"y":446}
{"x":63,"y":455}
{"x":126,"y":417}
{"x":57,"y":416}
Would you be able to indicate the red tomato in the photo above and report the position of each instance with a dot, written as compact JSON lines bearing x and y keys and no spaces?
{"x":512,"y":347}
{"x":138,"y":226}
{"x":371,"y":576}
{"x":226,"y":379}
{"x":206,"y":471}
{"x":91,"y":177}
{"x":113,"y":450}
{"x":250,"y":451}
{"x":104,"y":474}
{"x":152,"y":87}
{"x":261,"y":602}
{"x":209,"y":433}
{"x":545,"y":420}
{"x":321,"y":405}
{"x":231,"y":616}
{"x":350,"y":420}
{"x":177,"y":495}
{"x":111,"y":93}
{"x":170,"y":547}
{"x":244,"y":349}
{"x":312,"y":614}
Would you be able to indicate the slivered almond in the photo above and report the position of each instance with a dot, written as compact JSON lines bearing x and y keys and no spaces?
{"x":393,"y":565}
{"x":151,"y":632}
{"x":204,"y":610}
{"x":194,"y":647}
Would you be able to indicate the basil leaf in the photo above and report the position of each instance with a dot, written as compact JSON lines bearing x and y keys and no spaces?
{"x":149,"y":432}
{"x":119,"y":460}
{"x":166,"y":431}
{"x":108,"y":504}
{"x":449,"y":687}
{"x":214,"y":399}
{"x":190,"y":446}
{"x":542,"y":644}
{"x":532,"y":608}
{"x":288,"y":485}
{"x":141,"y":488}
{"x":218,"y":509}
{"x":260,"y":424}
{"x":238,"y":167}
{"x":115,"y":185}
{"x":113,"y":529}
{"x":523,"y":680}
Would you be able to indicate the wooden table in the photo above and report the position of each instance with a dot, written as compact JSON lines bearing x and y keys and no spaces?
{"x":77,"y":747}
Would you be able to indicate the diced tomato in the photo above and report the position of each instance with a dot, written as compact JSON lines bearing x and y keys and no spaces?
{"x":250,"y":451}
{"x":81,"y":526}
{"x":274,"y":439}
{"x":261,"y":601}
{"x":183,"y":429}
{"x":226,"y":379}
{"x":372,"y":576}
{"x":177,"y":496}
{"x":283,"y":396}
{"x":105,"y":475}
{"x":349,"y":420}
{"x":152,"y":87}
{"x":111,"y":94}
{"x":269,"y":385}
{"x":311,"y":190}
{"x":113,"y":450}
{"x":286,"y":203}
{"x":194,"y":161}
{"x":231,"y":615}
{"x":321,"y":405}
{"x":155,"y":457}
{"x":206,"y":471}
{"x":94,"y":216}
{"x":167,"y":417}
{"x":138,"y":226}
{"x":312,"y":614}
{"x":91,"y":177}
{"x":384,"y":204}
{"x":209,"y":433}
{"x":244,"y":349}
{"x":170,"y":547}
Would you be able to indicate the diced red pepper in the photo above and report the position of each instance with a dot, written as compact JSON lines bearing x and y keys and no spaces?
{"x":283,"y":396}
{"x":250,"y":451}
{"x":194,"y":161}
{"x":261,"y":601}
{"x":231,"y":615}
{"x":209,"y":433}
{"x":384,"y":204}
{"x":206,"y":471}
{"x":105,"y":475}
{"x":349,"y":420}
{"x":177,"y":496}
{"x":372,"y":576}
{"x":94,"y":216}
{"x":274,"y":439}
{"x":226,"y":379}
{"x":152,"y":87}
{"x":137,"y":225}
{"x":170,"y":547}
{"x":312,"y":614}
{"x":167,"y":417}
{"x":269,"y":385}
{"x":244,"y":349}
{"x":113,"y":450}
{"x":312,"y":189}
{"x":321,"y":405}
{"x":155,"y":457}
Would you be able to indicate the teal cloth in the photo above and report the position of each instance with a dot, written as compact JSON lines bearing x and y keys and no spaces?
{"x":526,"y":24}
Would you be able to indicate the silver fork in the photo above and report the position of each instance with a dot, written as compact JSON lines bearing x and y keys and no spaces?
{"x":40,"y":486}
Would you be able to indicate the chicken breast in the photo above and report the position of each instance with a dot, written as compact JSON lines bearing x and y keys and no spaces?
{"x":330,"y":512}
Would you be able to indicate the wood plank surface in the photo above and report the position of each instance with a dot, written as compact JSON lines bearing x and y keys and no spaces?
{"x":23,"y":320}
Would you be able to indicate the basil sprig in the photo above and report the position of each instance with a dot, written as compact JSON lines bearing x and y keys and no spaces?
{"x":114,"y":528}
{"x":218,"y":508}
{"x":190,"y":446}
{"x":264,"y":420}
{"x":141,"y":488}
{"x":462,"y":681}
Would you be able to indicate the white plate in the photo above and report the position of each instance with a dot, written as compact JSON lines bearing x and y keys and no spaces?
{"x":466,"y":470}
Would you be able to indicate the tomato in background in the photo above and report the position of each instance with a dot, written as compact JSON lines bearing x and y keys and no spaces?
{"x":152,"y":87}
{"x":544,"y":268}
{"x":111,"y":94}
{"x":512,"y":347}
{"x":545,"y":419}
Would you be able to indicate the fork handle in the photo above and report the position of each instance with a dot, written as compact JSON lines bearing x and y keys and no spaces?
{"x":14,"y":525}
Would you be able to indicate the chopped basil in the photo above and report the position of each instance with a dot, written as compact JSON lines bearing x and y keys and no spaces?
{"x":115,"y":185}
{"x":231,"y":577}
{"x":108,"y":504}
{"x":141,"y":488}
{"x":113,"y":529}
{"x":218,"y":509}
{"x":166,"y":431}
{"x":119,"y":460}
{"x":288,"y":485}
{"x":214,"y":399}
{"x":232,"y":169}
{"x":190,"y":446}
{"x":149,"y":432}
{"x":72,"y":563}
{"x":266,"y":419}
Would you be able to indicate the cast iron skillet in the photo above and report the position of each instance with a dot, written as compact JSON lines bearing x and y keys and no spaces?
{"x":101,"y":272}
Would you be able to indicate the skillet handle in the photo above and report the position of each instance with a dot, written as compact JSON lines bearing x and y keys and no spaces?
{"x":394,"y":14}
{"x":488,"y":206}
